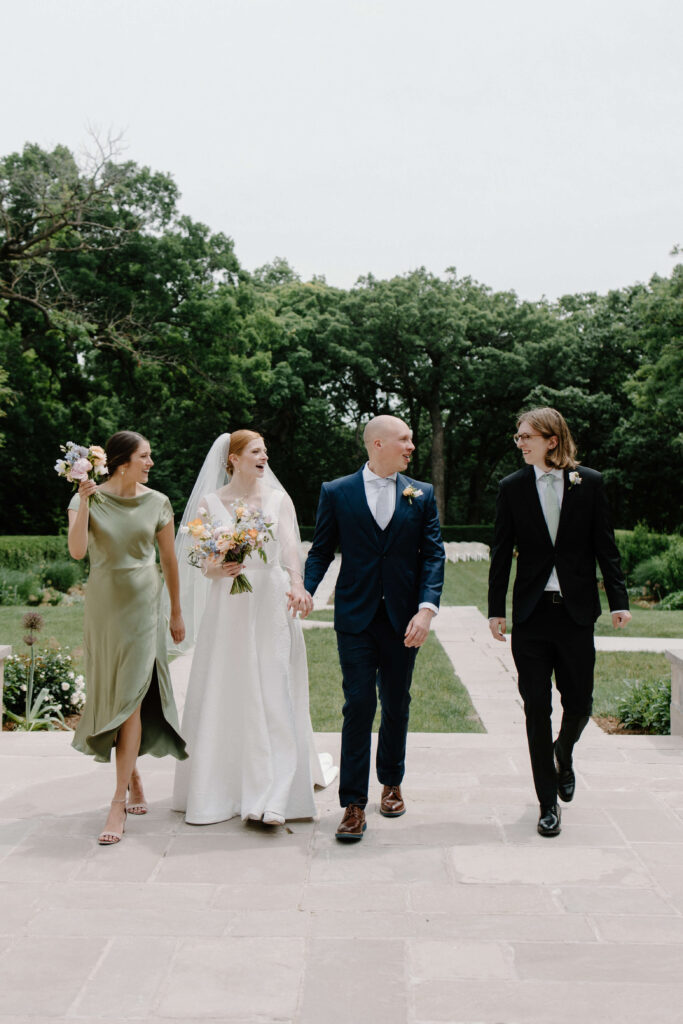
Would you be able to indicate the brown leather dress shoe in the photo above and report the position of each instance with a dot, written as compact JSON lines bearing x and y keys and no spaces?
{"x":352,"y":825}
{"x":391,"y":804}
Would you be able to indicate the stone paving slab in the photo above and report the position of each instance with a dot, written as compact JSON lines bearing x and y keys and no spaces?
{"x":458,"y":911}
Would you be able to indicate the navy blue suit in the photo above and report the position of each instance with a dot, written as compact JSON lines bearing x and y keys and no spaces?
{"x":385,"y":575}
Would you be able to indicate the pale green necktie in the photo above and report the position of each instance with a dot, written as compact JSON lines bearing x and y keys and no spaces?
{"x":384,"y":510}
{"x":552,"y":505}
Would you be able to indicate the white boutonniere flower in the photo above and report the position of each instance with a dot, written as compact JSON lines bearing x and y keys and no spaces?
{"x":412,"y":492}
{"x":574,"y":479}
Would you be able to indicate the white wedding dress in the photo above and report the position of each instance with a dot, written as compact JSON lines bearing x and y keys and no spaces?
{"x":246,"y":720}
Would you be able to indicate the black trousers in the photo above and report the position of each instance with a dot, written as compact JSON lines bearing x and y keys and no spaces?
{"x":548,"y":642}
{"x":371,"y":661}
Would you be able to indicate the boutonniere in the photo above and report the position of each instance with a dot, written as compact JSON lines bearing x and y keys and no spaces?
{"x":411,"y":492}
{"x":574,"y":479}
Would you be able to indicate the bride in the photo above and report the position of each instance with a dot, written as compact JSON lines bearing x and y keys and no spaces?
{"x":246,"y":720}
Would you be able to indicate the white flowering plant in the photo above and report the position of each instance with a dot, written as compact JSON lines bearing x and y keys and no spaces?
{"x":53,"y":672}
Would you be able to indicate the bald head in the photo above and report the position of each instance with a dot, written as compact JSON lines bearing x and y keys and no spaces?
{"x":382,"y":427}
{"x":389,"y":444}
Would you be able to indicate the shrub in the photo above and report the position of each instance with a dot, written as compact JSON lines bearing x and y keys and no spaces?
{"x":24,"y":552}
{"x":17,"y":586}
{"x":44,"y":595}
{"x":672,"y":603}
{"x":647,"y":706}
{"x":62,"y":574}
{"x":662,"y":574}
{"x":638,"y":544}
{"x":53,"y":671}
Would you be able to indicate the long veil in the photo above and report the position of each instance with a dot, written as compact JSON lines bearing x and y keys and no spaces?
{"x":194,"y":586}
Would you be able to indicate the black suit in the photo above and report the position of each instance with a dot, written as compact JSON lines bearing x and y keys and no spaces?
{"x":554,"y":637}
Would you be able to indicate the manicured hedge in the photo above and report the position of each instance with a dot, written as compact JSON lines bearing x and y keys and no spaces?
{"x":27,"y":551}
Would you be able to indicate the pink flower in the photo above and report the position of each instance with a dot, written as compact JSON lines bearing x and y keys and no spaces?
{"x":80,"y":469}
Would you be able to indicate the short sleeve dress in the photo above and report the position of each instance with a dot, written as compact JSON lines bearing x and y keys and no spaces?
{"x":124,"y":639}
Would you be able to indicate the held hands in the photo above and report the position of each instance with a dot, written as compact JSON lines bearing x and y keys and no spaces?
{"x":418,"y":628}
{"x":620,"y":619}
{"x":497,"y":627}
{"x":299,"y":600}
{"x":177,"y":627}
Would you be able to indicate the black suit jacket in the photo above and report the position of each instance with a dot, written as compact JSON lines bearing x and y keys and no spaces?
{"x":584,"y":535}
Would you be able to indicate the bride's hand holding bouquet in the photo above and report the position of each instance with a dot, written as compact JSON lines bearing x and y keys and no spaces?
{"x":224,"y":546}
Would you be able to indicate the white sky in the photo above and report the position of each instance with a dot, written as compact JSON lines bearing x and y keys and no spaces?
{"x":534,"y":145}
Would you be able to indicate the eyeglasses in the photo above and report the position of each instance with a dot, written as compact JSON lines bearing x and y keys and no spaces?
{"x":524,"y":437}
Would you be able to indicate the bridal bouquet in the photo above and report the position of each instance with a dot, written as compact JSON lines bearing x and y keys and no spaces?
{"x":82,"y":463}
{"x":214,"y":542}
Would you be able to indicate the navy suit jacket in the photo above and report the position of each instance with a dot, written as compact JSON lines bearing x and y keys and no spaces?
{"x":584,"y":535}
{"x":404,"y":564}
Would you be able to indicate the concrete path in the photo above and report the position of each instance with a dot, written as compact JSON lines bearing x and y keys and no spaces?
{"x":457,"y":912}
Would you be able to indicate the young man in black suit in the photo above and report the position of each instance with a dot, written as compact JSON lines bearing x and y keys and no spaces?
{"x":556,"y":514}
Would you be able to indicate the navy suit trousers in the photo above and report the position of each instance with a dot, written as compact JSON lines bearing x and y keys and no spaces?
{"x":371,"y":661}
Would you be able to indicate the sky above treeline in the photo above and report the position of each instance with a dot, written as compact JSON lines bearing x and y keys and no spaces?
{"x":534,"y":146}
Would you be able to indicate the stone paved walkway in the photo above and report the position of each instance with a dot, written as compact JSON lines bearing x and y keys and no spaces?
{"x":456,"y":912}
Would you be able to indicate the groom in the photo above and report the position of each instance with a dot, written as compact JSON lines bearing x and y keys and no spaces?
{"x":387,"y":528}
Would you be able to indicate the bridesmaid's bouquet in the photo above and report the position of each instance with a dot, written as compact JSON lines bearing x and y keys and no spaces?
{"x":82,"y":463}
{"x":243,"y":535}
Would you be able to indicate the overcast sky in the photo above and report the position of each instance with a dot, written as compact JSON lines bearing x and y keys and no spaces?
{"x":536,"y":146}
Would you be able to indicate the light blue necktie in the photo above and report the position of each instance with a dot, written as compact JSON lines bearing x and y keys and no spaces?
{"x":551,"y":505}
{"x":384,"y":510}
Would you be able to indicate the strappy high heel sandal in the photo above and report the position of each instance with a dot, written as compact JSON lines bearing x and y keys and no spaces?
{"x":108,"y":838}
{"x":139,"y":808}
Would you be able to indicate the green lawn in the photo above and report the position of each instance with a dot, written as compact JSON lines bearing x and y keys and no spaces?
{"x":440,"y":703}
{"x":63,"y":625}
{"x":615,"y":669}
{"x":466,"y":583}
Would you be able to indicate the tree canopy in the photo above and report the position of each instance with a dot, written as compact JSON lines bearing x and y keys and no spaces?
{"x":117,"y":312}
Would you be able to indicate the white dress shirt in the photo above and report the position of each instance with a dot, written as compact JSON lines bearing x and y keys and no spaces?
{"x":373,"y":485}
{"x":372,"y":491}
{"x":557,"y":481}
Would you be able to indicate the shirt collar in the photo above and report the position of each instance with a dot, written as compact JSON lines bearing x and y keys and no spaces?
{"x":371,"y":478}
{"x":557,"y":473}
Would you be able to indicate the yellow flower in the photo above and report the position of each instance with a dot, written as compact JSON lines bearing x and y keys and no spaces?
{"x":196,"y":527}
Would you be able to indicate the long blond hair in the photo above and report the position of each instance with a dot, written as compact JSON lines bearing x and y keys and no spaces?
{"x":551,"y":423}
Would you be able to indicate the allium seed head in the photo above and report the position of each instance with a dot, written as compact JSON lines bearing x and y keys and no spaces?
{"x":33,"y":620}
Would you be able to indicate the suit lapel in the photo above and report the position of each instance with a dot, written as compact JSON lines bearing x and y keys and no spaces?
{"x":568,"y":505}
{"x":358,"y":503}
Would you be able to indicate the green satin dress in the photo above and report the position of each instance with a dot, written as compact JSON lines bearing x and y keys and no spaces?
{"x":124,"y":639}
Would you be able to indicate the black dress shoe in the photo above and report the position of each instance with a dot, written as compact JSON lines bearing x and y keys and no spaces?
{"x":566,"y":781}
{"x":549,"y":821}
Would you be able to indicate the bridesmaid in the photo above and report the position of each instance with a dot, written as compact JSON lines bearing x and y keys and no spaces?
{"x":129,"y":699}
